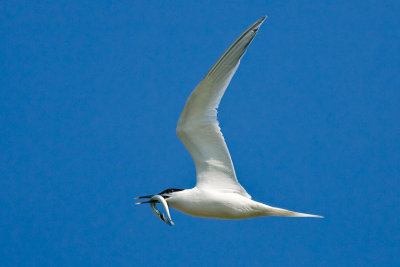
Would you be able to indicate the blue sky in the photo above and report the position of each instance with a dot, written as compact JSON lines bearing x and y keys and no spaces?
{"x":89,"y":100}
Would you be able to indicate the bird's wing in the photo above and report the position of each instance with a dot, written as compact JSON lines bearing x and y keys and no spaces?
{"x":198,"y":126}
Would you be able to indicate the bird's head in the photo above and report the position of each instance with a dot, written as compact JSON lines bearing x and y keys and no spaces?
{"x":160,"y":198}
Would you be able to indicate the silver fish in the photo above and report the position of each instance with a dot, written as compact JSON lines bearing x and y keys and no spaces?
{"x":158,"y":198}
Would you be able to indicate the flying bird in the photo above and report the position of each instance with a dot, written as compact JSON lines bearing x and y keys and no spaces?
{"x":217,"y":193}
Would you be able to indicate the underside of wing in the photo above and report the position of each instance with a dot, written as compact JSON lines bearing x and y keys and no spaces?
{"x":198,"y":126}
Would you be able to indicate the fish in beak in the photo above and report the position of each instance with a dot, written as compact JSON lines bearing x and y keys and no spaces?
{"x":153,"y":200}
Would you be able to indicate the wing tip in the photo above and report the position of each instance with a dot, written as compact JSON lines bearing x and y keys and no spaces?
{"x":260,"y":21}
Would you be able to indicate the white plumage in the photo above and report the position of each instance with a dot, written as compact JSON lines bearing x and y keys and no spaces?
{"x":217,"y":193}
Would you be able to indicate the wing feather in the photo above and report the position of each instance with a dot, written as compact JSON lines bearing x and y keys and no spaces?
{"x":198,"y":127}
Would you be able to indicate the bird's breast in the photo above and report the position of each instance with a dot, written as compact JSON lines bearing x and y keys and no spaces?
{"x":214,"y":205}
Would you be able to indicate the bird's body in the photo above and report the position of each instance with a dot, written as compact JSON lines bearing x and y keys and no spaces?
{"x":209,"y":204}
{"x":219,"y":205}
{"x":217,"y":193}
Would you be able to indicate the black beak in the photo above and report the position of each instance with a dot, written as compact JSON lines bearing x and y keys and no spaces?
{"x":149,"y":196}
{"x":149,"y":201}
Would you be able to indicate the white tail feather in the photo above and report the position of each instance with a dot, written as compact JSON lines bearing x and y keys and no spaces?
{"x":288,"y":213}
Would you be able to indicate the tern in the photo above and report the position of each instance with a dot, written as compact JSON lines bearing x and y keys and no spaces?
{"x":217,"y":193}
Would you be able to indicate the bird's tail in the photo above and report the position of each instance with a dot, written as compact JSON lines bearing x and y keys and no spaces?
{"x":299,"y":214}
{"x":288,"y":213}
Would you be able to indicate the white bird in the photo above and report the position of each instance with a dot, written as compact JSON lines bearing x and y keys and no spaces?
{"x":217,"y":193}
